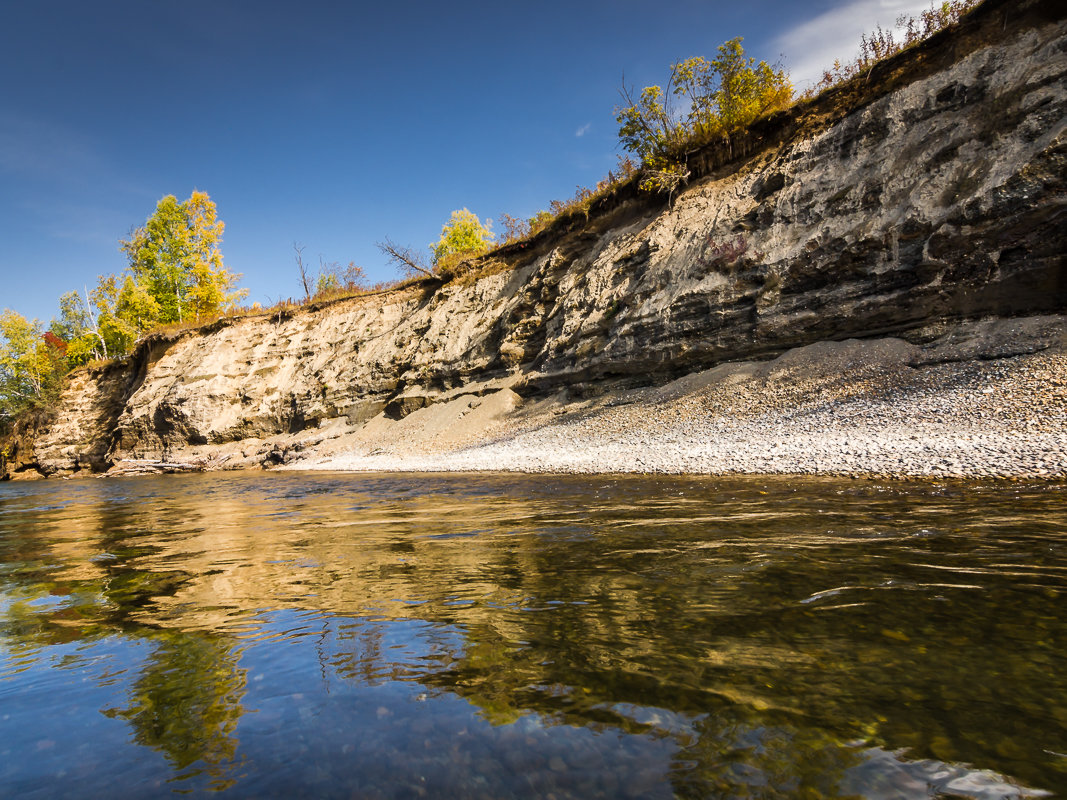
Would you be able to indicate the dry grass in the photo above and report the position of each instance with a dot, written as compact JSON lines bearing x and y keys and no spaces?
{"x":876,"y":46}
{"x":880,"y":44}
{"x":280,"y":309}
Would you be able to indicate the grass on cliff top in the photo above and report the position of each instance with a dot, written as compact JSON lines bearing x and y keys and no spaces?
{"x":285,"y":308}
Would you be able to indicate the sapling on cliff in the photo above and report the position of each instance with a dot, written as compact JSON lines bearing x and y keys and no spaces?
{"x":464,"y":236}
{"x":703,"y":100}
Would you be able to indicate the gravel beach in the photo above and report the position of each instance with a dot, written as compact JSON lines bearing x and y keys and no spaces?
{"x":986,"y":400}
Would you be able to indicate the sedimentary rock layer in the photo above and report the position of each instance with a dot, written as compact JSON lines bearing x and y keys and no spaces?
{"x":929,"y":194}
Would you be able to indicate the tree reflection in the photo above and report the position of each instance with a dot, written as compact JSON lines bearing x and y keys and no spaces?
{"x":98,"y":580}
{"x":186,"y":703}
{"x":763,"y":645}
{"x":738,"y":756}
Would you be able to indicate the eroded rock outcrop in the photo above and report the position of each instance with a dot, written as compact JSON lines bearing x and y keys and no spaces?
{"x":934,"y":192}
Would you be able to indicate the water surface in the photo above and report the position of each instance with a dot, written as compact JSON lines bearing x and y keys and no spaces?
{"x":494,"y":636}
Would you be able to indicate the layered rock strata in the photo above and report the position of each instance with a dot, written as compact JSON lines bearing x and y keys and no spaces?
{"x":928,"y":196}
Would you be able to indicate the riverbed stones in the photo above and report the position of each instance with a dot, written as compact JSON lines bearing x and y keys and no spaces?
{"x":848,"y":408}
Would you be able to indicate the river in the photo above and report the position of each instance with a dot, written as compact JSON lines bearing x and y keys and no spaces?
{"x":496,"y":636}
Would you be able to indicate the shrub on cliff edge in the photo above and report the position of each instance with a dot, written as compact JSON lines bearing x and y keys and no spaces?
{"x":703,"y":100}
{"x":463,"y":236}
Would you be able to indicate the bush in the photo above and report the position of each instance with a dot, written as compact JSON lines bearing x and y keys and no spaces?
{"x":462,"y":237}
{"x":703,"y":99}
{"x":513,"y":229}
{"x":540,"y":221}
{"x":880,"y":44}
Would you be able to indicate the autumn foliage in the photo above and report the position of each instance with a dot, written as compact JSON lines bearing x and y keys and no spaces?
{"x":703,"y":99}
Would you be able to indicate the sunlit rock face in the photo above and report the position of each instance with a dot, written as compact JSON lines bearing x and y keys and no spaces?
{"x":932,"y":193}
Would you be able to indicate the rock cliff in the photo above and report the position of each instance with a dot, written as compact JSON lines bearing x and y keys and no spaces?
{"x":929,"y":195}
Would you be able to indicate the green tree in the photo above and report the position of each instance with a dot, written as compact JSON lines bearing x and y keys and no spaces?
{"x":127,"y":309}
{"x":32,"y":363}
{"x":462,"y":237}
{"x":175,"y":260}
{"x":117,"y":311}
{"x":187,"y":701}
{"x":78,"y":326}
{"x":703,"y":99}
{"x":74,"y":318}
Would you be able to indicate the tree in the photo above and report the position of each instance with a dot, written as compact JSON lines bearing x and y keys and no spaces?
{"x":306,"y":279}
{"x":407,"y":259}
{"x":127,"y":309}
{"x":31,"y":364}
{"x":175,"y":259}
{"x":113,"y":315}
{"x":462,"y":237}
{"x":79,"y":328}
{"x":175,"y":274}
{"x":74,"y":317}
{"x":703,"y":99}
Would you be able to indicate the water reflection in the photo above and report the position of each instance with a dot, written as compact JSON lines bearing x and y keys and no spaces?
{"x":186,"y":703}
{"x":510,"y":636}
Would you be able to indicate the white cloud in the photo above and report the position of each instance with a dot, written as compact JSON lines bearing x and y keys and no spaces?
{"x":582,"y":131}
{"x":812,"y":47}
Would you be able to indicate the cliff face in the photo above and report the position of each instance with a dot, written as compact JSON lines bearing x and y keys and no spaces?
{"x":934,"y":193}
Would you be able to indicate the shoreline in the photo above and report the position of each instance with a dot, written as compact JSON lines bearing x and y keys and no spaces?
{"x":851,"y":290}
{"x":985,"y":401}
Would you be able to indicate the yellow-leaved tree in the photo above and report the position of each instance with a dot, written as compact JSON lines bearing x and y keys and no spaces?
{"x":32,"y":364}
{"x":176,"y":272}
{"x":703,"y":99}
{"x":463,"y":236}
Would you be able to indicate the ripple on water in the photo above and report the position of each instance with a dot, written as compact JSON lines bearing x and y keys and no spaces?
{"x":480,"y":635}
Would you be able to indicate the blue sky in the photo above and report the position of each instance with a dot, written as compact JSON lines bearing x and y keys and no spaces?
{"x":334,"y":124}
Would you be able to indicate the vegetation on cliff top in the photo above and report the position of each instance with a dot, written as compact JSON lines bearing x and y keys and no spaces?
{"x":706,"y":101}
{"x":174,"y":274}
{"x":703,"y":100}
{"x":463,"y":237}
{"x":32,"y":361}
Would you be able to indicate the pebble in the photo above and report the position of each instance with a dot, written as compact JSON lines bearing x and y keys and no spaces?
{"x":995,"y":418}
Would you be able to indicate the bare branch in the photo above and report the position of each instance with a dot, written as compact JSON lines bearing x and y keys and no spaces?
{"x":627,"y":93}
{"x":407,"y":259}
{"x":305,"y":276}
{"x":668,"y":112}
